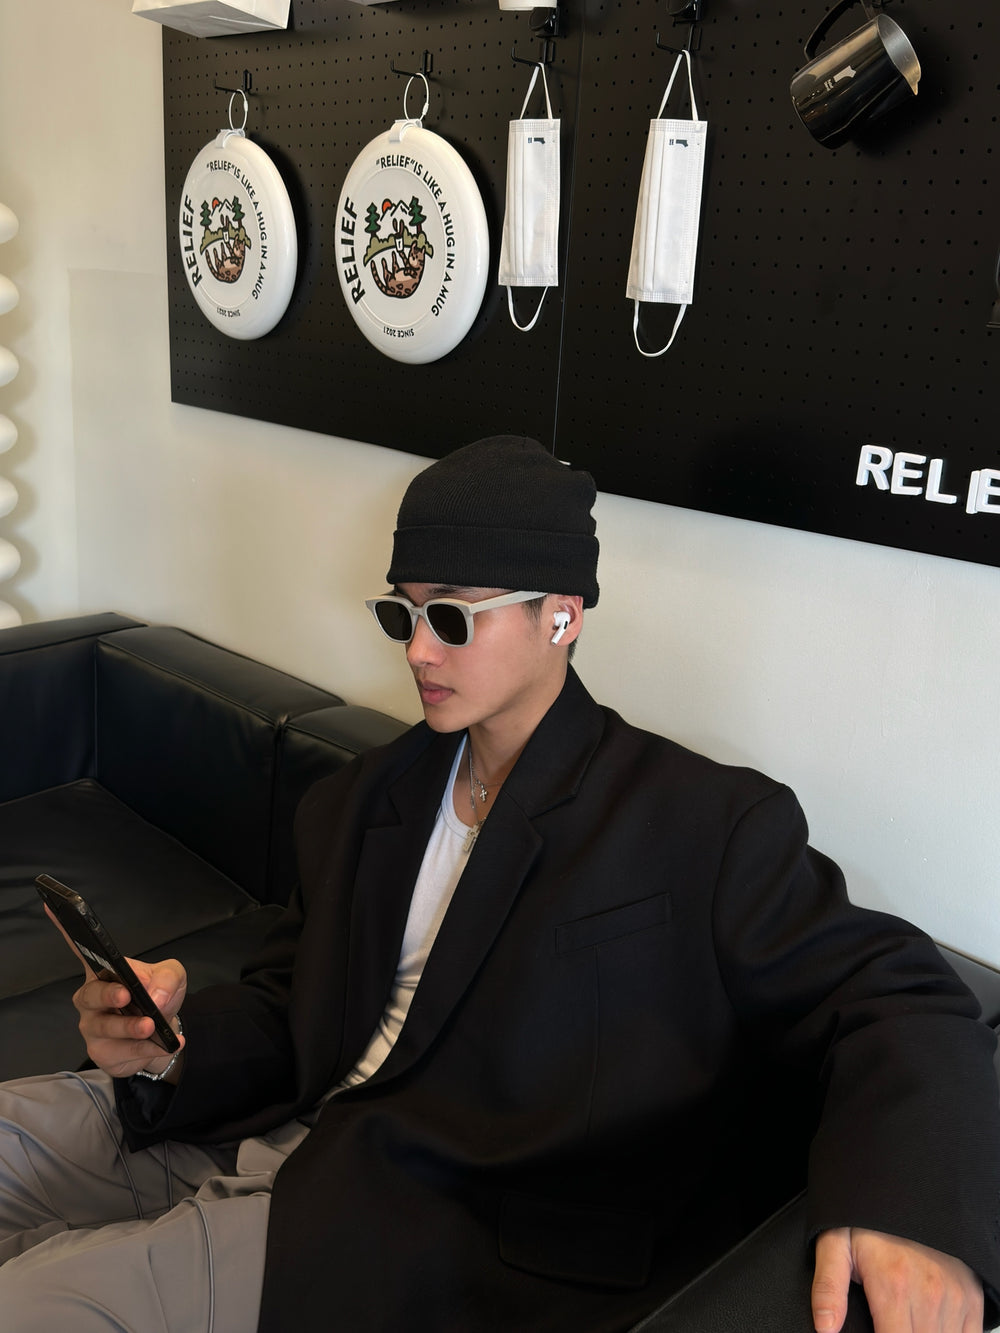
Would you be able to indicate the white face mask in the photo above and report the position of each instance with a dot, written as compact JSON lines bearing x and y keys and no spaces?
{"x":529,"y":250}
{"x":665,"y":240}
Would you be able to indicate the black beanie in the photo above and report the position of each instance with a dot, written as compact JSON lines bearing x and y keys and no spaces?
{"x":500,"y":513}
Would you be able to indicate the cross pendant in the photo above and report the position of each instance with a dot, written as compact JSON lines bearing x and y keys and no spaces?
{"x":470,"y":839}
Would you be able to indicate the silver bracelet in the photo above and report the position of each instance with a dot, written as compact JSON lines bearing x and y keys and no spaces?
{"x":156,"y":1078}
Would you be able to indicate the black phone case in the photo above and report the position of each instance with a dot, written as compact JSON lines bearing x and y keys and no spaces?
{"x":88,"y":933}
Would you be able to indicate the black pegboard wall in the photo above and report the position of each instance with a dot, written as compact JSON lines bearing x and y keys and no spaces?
{"x":841,"y":297}
{"x":322,"y":91}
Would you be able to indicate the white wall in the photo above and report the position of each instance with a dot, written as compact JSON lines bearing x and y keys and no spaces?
{"x":865,"y":677}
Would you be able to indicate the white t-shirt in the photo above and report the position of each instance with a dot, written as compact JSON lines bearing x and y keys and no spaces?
{"x":443,"y":863}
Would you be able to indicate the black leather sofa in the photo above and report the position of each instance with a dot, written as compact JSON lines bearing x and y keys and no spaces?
{"x":159,"y":774}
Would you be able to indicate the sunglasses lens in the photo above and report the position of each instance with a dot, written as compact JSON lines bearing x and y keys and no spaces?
{"x":449,"y":624}
{"x":395,"y":620}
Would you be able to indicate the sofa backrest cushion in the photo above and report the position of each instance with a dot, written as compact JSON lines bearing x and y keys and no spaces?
{"x":47,"y":701}
{"x":187,"y":736}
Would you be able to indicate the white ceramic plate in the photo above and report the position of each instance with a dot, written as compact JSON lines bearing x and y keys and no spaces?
{"x":237,"y":237}
{"x":413,"y":246}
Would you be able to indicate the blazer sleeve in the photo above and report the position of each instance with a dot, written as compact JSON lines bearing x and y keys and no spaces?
{"x":239,"y":1073}
{"x":909,"y":1136}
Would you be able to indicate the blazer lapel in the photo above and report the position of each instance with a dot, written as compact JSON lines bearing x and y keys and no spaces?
{"x":386,"y":873}
{"x":490,"y":883}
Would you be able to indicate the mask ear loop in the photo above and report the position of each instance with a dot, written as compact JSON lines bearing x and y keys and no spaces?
{"x":526,"y":328}
{"x":685,"y":55}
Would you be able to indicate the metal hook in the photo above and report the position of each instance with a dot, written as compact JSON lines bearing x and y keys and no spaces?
{"x":245,"y":90}
{"x":548,"y":54}
{"x":693,"y":42}
{"x":544,"y":21}
{"x":426,"y":66}
{"x":683,"y":11}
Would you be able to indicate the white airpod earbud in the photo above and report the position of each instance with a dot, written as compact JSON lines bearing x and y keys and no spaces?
{"x":560,"y":620}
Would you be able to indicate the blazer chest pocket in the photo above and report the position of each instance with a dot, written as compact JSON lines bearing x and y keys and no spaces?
{"x":587,"y":931}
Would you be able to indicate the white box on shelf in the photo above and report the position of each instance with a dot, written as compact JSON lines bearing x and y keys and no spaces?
{"x":215,"y":18}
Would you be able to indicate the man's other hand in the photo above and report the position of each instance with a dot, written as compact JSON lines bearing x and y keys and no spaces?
{"x":910,"y":1288}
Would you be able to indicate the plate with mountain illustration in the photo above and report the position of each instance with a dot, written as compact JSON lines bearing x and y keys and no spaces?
{"x":413,"y":246}
{"x":237,"y":236}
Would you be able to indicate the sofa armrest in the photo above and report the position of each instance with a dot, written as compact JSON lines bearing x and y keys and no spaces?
{"x":47,"y":701}
{"x":762,"y":1283}
{"x":982,"y":980}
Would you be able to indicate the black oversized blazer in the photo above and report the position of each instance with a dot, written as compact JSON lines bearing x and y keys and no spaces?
{"x":641,"y":950}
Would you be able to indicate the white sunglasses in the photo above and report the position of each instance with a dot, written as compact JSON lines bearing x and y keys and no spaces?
{"x":448,"y":618}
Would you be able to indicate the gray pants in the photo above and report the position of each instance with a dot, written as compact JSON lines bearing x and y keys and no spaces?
{"x":94,"y":1238}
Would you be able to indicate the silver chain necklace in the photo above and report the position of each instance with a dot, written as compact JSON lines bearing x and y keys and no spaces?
{"x":476,"y":785}
{"x":473,"y":833}
{"x":475,"y":781}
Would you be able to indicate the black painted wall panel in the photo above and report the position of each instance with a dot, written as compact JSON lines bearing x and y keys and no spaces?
{"x":841,"y":297}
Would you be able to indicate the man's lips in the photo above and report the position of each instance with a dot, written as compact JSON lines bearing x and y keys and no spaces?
{"x":432,"y":693}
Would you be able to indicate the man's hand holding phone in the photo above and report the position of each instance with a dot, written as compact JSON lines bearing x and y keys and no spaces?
{"x":121,"y":1043}
{"x":128,"y":1009}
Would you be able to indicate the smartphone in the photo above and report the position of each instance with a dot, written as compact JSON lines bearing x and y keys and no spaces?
{"x":81,"y":923}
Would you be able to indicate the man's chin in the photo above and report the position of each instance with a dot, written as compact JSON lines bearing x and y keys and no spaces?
{"x":440,"y":722}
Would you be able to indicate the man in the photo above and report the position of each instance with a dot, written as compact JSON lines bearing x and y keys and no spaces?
{"x":502,"y":1065}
